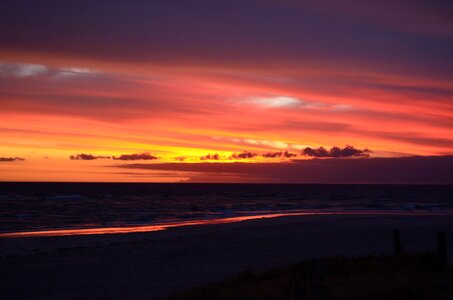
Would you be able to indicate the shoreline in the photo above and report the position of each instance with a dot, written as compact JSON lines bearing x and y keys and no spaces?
{"x":201,"y":222}
{"x":150,"y":265}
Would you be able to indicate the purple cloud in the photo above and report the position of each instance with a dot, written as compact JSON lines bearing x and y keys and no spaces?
{"x":336,"y":152}
{"x":141,"y":156}
{"x":285,"y":154}
{"x":243,"y":155}
{"x":9,"y":159}
{"x":210,"y":156}
{"x":84,"y":156}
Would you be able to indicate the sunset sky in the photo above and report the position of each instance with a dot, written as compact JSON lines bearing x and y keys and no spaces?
{"x":226,"y":91}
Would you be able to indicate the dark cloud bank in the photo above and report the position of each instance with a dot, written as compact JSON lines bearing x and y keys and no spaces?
{"x":412,"y":170}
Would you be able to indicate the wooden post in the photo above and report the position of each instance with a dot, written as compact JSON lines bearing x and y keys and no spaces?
{"x":442,"y":248}
{"x":396,"y":243}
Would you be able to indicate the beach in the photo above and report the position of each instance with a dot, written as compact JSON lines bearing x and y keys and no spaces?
{"x":152,"y":265}
{"x":226,"y":150}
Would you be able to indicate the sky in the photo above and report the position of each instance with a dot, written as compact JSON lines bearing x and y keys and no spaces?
{"x":353,"y":91}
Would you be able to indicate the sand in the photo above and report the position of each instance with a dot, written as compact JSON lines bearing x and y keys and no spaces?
{"x":154,"y":264}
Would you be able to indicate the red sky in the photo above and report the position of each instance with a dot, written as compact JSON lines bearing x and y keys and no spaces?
{"x":179,"y":82}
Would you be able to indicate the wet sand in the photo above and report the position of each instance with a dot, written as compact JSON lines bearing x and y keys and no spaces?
{"x":149,"y":265}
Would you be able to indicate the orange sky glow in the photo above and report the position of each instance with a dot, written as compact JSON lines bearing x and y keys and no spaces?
{"x":179,"y":106}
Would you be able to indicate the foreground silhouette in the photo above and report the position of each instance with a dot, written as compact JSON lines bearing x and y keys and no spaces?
{"x":412,"y":277}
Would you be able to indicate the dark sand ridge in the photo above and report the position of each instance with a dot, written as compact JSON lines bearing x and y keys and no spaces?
{"x":147,"y":265}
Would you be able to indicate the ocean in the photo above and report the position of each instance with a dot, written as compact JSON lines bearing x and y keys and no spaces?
{"x":50,"y":206}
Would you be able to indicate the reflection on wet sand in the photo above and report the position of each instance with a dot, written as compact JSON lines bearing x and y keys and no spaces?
{"x":157,"y":227}
{"x":144,"y":228}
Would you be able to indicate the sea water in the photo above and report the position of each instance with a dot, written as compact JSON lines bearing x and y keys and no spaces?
{"x":47,"y":206}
